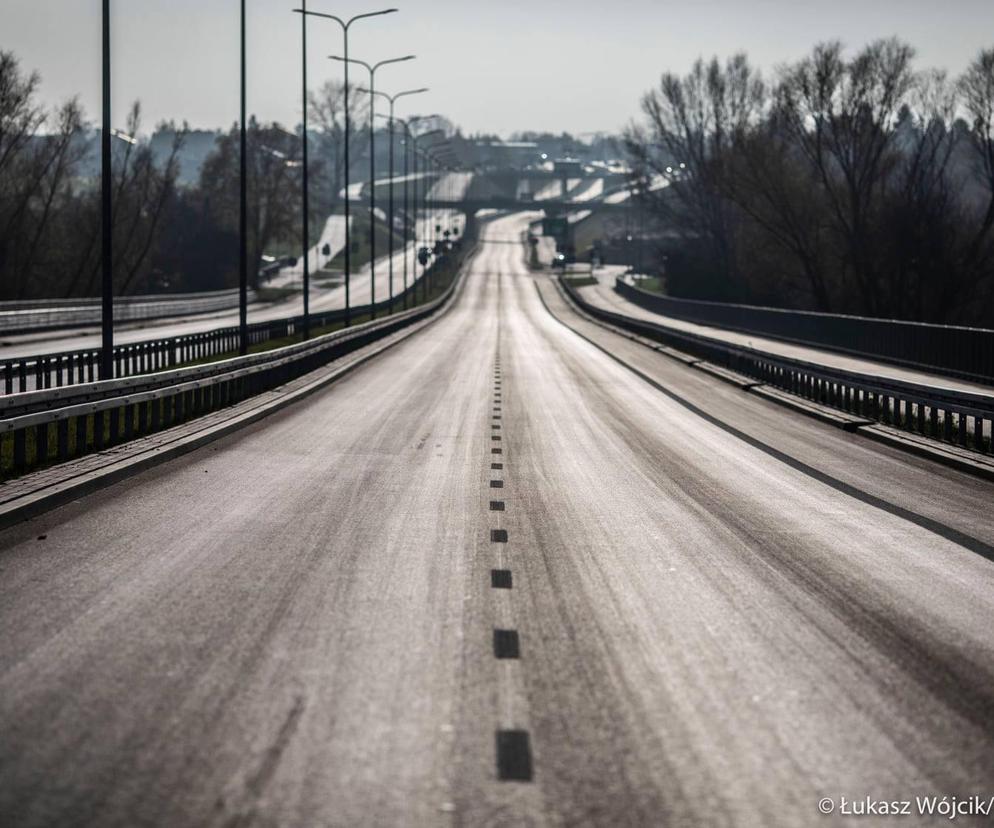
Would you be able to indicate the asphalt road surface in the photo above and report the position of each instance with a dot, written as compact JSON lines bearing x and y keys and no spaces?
{"x":495,"y":577}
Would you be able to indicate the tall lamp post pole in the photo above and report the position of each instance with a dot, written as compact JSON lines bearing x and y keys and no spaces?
{"x":426,"y":197}
{"x":107,"y":239}
{"x":305,"y":217}
{"x":371,"y":68}
{"x":407,"y":149}
{"x":242,"y":208}
{"x":346,"y":25}
{"x":417,"y":181}
{"x":404,"y":209}
{"x":414,"y":212}
{"x":433,"y":193}
{"x":393,"y":99}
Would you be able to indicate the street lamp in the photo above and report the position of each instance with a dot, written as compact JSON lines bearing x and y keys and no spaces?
{"x":438,"y":190}
{"x":106,"y":185}
{"x":345,"y":24}
{"x":407,"y":152}
{"x":305,"y":211}
{"x":435,"y":192}
{"x":372,"y":165}
{"x":392,"y":99}
{"x":412,"y":176}
{"x":414,"y":144}
{"x":242,"y":208}
{"x":106,"y":205}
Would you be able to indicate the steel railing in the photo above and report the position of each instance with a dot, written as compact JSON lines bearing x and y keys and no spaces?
{"x":943,"y":349}
{"x":19,"y":375}
{"x":53,"y":425}
{"x":958,"y":417}
{"x":49,"y":314}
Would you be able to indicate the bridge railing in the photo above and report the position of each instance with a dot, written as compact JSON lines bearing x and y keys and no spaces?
{"x":19,"y":375}
{"x":942,"y":349}
{"x":41,"y":427}
{"x":49,"y":314}
{"x":943,"y":414}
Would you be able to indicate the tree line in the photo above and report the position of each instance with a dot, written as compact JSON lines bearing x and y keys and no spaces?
{"x":843,"y":183}
{"x":168,"y":237}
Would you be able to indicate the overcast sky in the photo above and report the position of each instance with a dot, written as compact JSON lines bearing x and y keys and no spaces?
{"x":498,"y":66}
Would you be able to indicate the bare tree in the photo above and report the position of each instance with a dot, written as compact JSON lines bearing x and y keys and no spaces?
{"x":38,"y":152}
{"x":842,"y":115}
{"x":768,"y":180}
{"x":274,"y":186}
{"x":327,"y":112}
{"x":977,"y":89}
{"x":692,"y":124}
{"x":141,"y":190}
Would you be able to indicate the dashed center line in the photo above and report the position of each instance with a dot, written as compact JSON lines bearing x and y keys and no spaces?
{"x":500,"y":578}
{"x":514,"y":758}
{"x":507,"y":644}
{"x":513,"y":748}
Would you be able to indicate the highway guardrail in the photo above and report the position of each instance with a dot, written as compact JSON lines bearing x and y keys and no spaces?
{"x":943,"y":349}
{"x":944,"y":414}
{"x":53,"y":425}
{"x":19,"y":375}
{"x":50,"y":314}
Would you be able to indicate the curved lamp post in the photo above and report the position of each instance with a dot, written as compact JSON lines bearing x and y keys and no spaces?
{"x":371,"y":68}
{"x":411,"y":122}
{"x":425,"y":195}
{"x":346,"y":25}
{"x":392,"y":99}
{"x":407,"y":152}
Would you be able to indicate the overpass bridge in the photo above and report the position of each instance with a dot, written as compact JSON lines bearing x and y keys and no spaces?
{"x":547,"y":205}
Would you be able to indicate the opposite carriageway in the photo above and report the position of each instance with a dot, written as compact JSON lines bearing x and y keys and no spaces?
{"x":934,"y":410}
